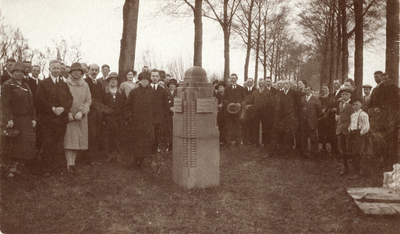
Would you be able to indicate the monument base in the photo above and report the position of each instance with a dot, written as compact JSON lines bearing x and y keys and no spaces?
{"x":201,"y":171}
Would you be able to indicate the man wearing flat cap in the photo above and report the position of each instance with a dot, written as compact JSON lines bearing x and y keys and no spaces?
{"x":367,"y":96}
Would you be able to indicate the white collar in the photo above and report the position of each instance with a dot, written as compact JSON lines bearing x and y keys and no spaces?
{"x":54,"y":78}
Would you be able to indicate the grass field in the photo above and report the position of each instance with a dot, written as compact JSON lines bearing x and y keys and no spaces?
{"x":256,"y":195}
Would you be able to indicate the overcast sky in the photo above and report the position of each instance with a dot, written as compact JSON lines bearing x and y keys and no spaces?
{"x":98,"y":25}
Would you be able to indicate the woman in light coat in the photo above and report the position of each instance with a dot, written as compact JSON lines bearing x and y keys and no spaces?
{"x":76,"y":136}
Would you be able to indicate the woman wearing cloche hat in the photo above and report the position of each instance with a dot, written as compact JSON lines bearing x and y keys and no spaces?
{"x":114,"y":98}
{"x":139,"y":112}
{"x":18,"y":113}
{"x":76,"y":136}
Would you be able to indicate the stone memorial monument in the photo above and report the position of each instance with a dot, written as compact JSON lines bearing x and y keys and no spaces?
{"x":195,"y":162}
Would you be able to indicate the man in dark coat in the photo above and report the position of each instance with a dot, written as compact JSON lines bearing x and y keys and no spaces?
{"x":310,"y":112}
{"x":54,"y":101}
{"x":259,"y":109}
{"x":33,"y":83}
{"x":249,"y":128}
{"x":220,"y":95}
{"x":234,"y":94}
{"x":105,"y":70}
{"x":383,"y":111}
{"x":161,"y":109}
{"x":7,"y":74}
{"x":285,"y":118}
{"x":95,"y":115}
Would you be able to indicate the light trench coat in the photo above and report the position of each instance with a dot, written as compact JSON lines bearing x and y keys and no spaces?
{"x":76,"y":136}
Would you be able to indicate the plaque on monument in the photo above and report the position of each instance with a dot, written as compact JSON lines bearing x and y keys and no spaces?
{"x":178,"y":105}
{"x":205,"y":105}
{"x":195,"y":162}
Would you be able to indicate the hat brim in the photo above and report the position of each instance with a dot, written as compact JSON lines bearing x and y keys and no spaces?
{"x":233,"y":108}
{"x":146,"y":79}
{"x":82,"y":71}
{"x":18,"y":70}
{"x":109,"y":78}
{"x":170,"y":83}
{"x":345,"y":90}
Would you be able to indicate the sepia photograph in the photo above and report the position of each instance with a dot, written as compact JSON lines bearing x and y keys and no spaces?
{"x":199,"y":116}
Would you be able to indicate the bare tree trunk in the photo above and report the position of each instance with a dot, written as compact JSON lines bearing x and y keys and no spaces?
{"x":248,"y":49}
{"x":257,"y":47}
{"x":339,"y":47}
{"x":359,"y":44}
{"x":226,"y":42}
{"x":392,"y":40}
{"x":198,"y":34}
{"x":128,"y":41}
{"x":332,"y":43}
{"x":345,"y":40}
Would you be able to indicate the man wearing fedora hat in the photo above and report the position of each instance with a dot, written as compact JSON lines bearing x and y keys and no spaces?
{"x":54,"y":101}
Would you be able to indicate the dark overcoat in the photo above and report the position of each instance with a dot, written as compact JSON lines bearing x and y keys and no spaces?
{"x":139,"y":112}
{"x":286,"y":111}
{"x":17,"y":105}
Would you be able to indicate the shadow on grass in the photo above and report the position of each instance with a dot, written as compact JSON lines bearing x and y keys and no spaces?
{"x":256,"y":195}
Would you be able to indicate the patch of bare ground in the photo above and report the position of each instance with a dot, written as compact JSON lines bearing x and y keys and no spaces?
{"x":256,"y":195}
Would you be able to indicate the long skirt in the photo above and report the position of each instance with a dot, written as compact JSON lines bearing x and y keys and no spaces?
{"x":23,"y":145}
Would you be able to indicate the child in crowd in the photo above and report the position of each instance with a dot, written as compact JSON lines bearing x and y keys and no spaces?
{"x":343,"y":118}
{"x":359,"y":126}
{"x":115,"y":99}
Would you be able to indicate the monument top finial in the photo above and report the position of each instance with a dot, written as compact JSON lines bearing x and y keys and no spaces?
{"x":195,"y":74}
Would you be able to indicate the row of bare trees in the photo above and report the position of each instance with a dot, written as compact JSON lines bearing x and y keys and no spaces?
{"x":13,"y":44}
{"x":316,"y":47}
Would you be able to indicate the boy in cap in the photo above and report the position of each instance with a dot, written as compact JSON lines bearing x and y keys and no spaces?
{"x":343,"y":118}
{"x":359,"y":126}
{"x":367,"y":96}
{"x":115,"y":99}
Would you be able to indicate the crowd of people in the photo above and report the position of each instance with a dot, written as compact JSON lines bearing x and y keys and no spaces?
{"x":46,"y":123}
{"x":290,"y":116}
